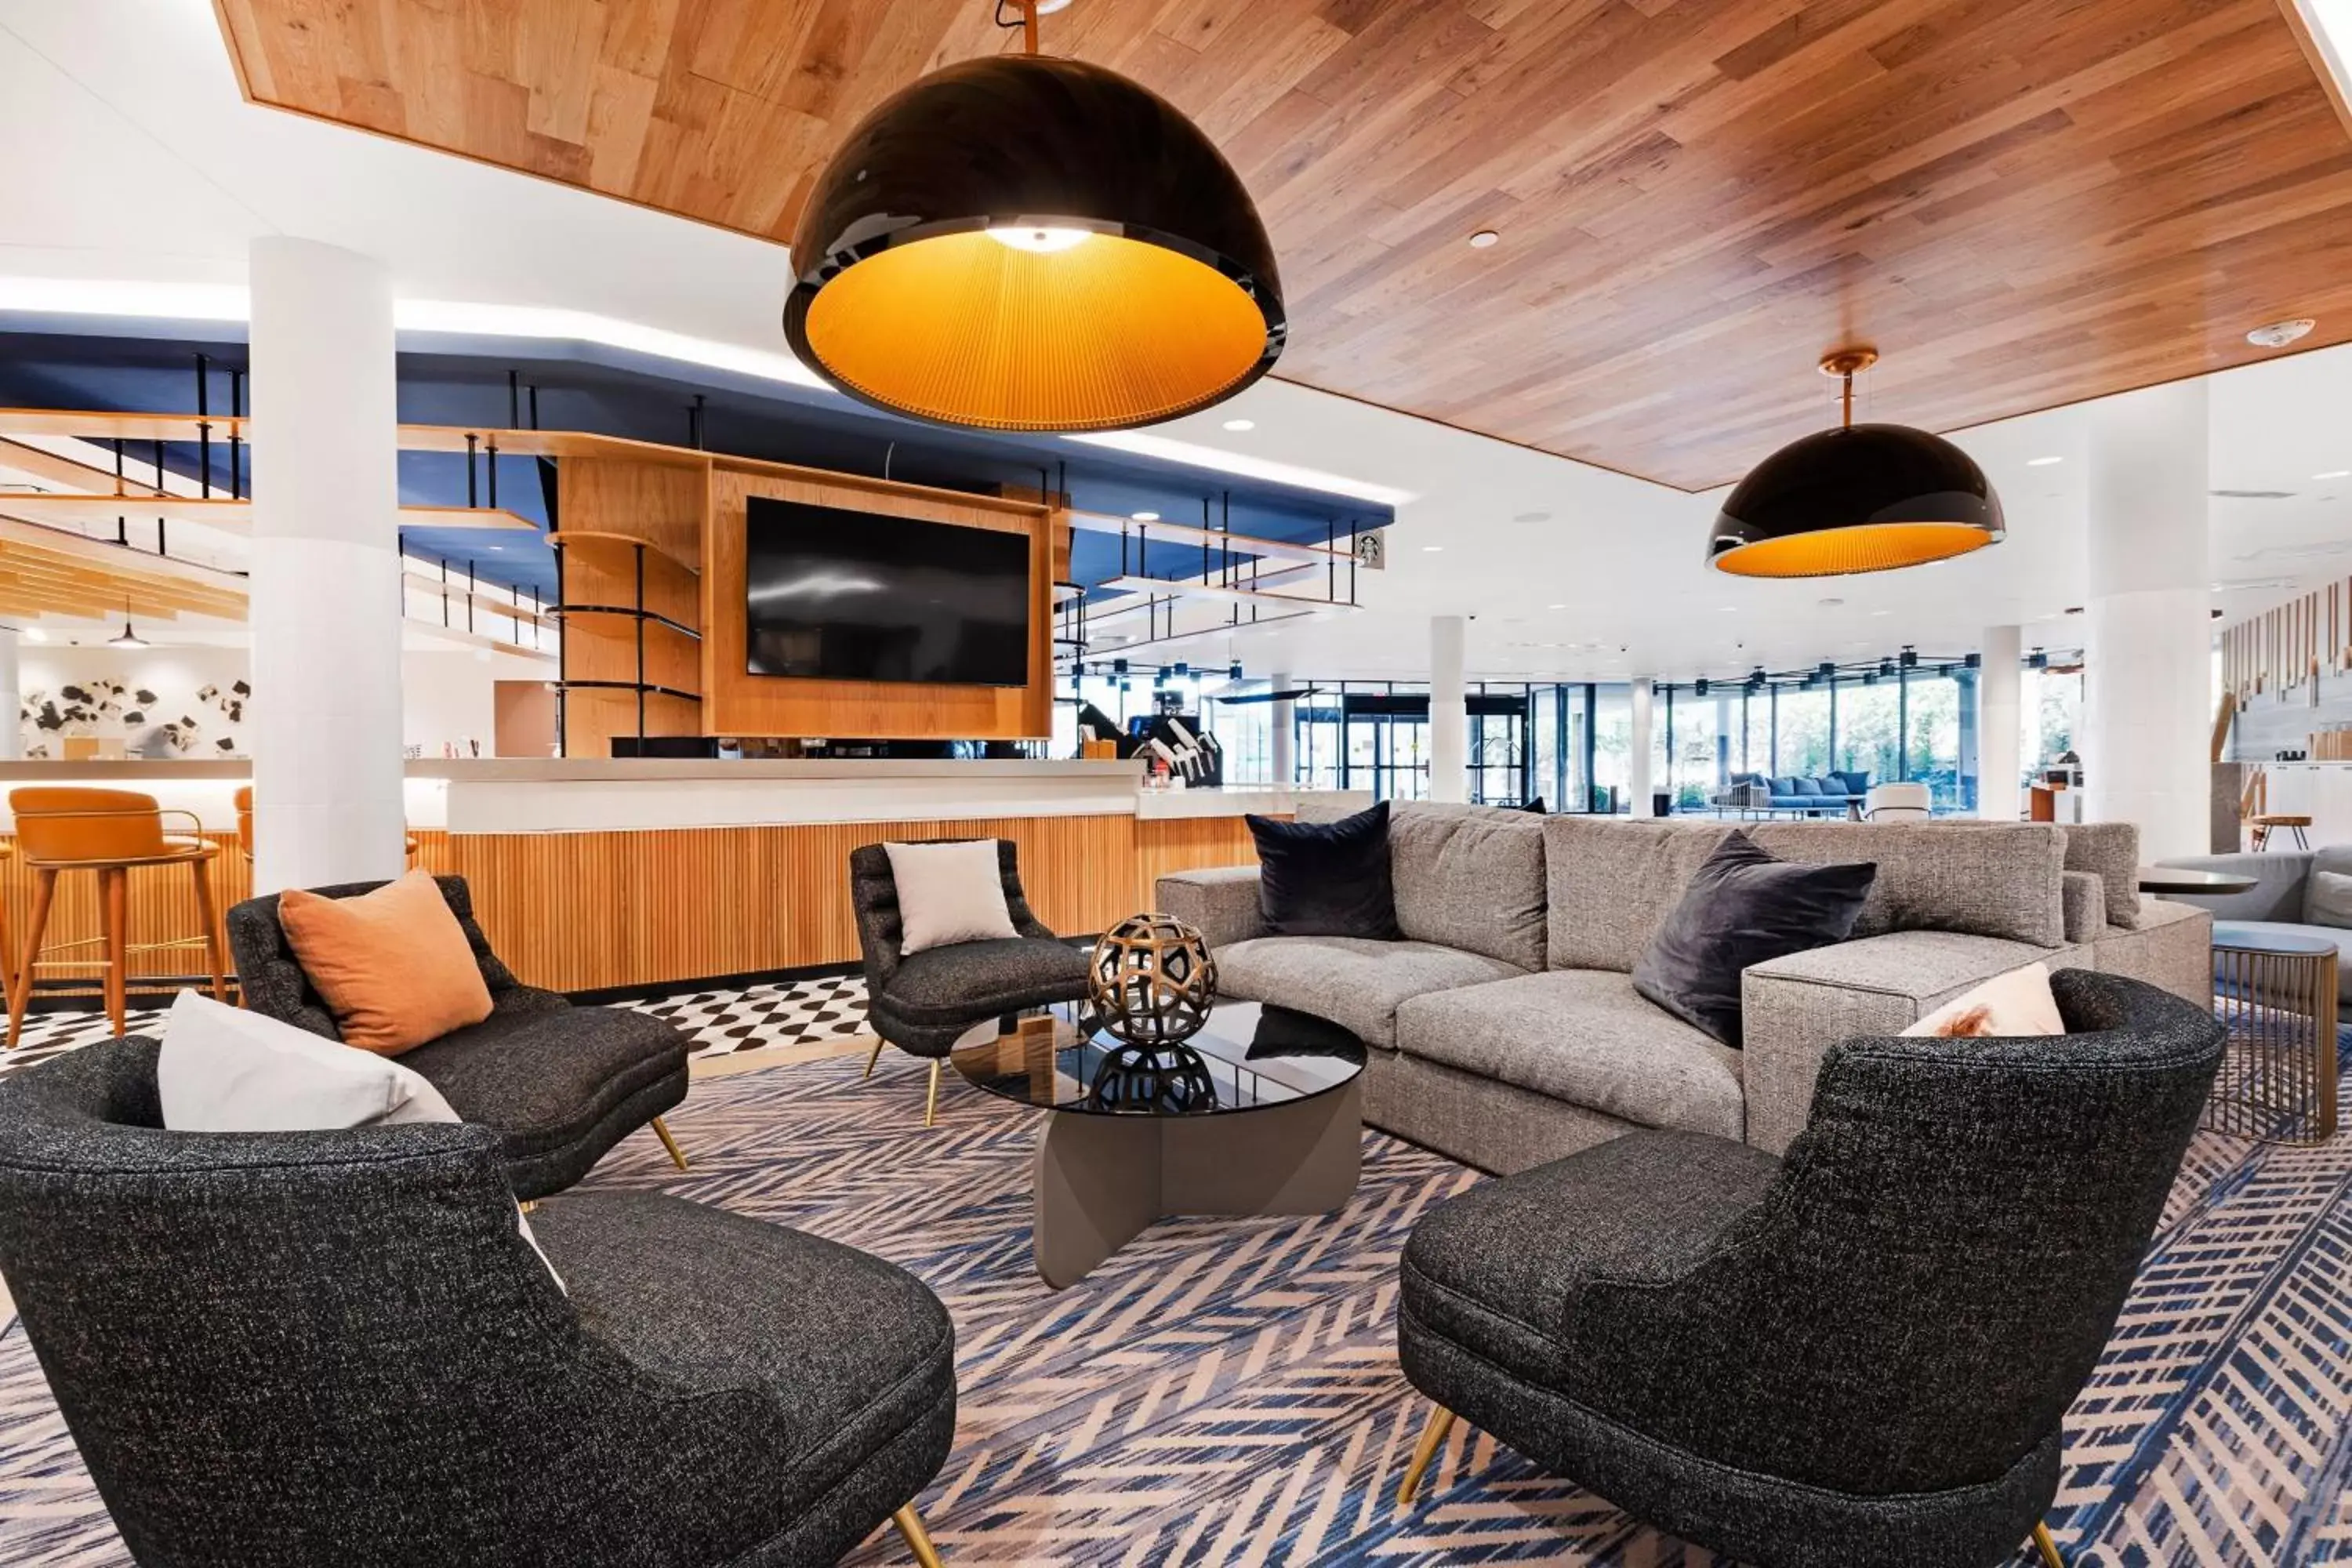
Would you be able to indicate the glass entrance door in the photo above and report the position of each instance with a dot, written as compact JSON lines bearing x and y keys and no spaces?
{"x":1387,"y":745}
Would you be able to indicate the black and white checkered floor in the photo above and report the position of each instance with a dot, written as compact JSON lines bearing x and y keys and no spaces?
{"x":794,"y":1013}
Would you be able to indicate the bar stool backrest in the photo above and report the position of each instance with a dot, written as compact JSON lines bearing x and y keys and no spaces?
{"x":58,"y":825}
{"x":245,"y":819}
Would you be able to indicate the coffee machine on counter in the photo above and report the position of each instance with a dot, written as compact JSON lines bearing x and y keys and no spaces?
{"x":1174,"y":742}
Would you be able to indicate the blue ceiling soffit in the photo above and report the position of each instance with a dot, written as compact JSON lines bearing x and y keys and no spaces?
{"x":449,"y":379}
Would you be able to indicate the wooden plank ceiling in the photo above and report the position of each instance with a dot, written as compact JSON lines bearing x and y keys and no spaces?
{"x":46,"y":573}
{"x":2020,"y":203}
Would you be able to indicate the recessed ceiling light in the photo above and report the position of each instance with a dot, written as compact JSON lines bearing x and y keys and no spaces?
{"x":1882,"y":612}
{"x":1484,"y":239}
{"x":1240,"y":424}
{"x":1831,"y":604}
{"x":1555,"y":607}
{"x":1145,"y":516}
{"x":1431,"y":548}
{"x":2334,"y":474}
{"x":2278,"y":334}
{"x":2041,"y":462}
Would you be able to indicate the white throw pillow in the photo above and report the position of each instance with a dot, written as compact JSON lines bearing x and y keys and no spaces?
{"x":2007,"y":1005}
{"x":948,"y":893}
{"x":224,"y":1070}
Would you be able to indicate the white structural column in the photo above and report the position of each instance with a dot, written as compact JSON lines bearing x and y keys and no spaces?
{"x":2000,"y":724}
{"x":325,"y":594}
{"x":1449,"y":711}
{"x":2147,"y":681}
{"x":12,"y":684}
{"x":1637,"y":766}
{"x":1286,"y":733}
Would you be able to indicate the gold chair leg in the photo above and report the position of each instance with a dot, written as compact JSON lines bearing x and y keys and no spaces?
{"x":910,"y":1526}
{"x":2047,"y":1547}
{"x":874,"y":1056}
{"x":677,"y":1154}
{"x":1441,"y":1422}
{"x":932,"y":1100}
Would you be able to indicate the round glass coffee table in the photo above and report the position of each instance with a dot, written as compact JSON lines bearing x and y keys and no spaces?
{"x":1259,"y":1113}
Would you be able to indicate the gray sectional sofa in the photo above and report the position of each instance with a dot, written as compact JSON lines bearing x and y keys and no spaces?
{"x":1505,"y":1027}
{"x":2293,"y":893}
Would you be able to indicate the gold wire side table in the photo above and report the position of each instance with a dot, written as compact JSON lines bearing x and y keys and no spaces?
{"x":2275,"y":992}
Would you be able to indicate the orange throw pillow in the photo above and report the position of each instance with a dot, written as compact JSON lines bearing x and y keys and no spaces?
{"x":393,"y":966}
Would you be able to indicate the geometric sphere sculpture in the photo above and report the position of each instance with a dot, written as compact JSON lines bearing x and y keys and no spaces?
{"x":1152,"y":980}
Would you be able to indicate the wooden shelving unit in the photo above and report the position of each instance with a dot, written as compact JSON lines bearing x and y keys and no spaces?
{"x":630,"y":600}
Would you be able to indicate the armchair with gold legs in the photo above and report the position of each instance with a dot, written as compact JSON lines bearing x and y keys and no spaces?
{"x":923,"y":1002}
{"x":1856,"y":1354}
{"x":560,"y":1085}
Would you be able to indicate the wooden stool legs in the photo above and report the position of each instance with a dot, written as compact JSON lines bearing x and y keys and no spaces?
{"x":45,"y":892}
{"x":114,"y":891}
{"x":208,"y":911}
{"x":113,"y":941}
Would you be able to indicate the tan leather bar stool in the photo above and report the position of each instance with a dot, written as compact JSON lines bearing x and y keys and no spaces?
{"x":108,"y":832}
{"x":244,"y":799}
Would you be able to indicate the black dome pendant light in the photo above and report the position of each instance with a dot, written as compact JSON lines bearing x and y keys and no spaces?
{"x":1030,"y":243}
{"x":1861,"y":498}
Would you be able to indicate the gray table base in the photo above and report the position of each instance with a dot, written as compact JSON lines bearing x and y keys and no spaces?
{"x":1101,"y":1180}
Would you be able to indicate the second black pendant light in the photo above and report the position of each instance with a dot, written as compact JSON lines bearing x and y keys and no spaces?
{"x":1861,"y":498}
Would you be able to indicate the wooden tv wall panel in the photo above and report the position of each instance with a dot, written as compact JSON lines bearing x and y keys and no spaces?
{"x":737,"y":702}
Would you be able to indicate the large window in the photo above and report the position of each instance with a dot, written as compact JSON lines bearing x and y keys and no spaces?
{"x":2052,"y":709}
{"x":1804,"y":749}
{"x":1612,"y":748}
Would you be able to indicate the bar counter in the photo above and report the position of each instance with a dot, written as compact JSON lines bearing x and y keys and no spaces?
{"x":593,"y":875}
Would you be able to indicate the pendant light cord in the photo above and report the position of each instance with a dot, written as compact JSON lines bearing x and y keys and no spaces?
{"x":1026,"y":21}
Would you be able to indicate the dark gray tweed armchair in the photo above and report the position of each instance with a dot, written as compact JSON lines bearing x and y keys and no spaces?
{"x":923,"y":1002}
{"x":558,"y":1084}
{"x":289,"y":1350}
{"x":1858,"y":1355}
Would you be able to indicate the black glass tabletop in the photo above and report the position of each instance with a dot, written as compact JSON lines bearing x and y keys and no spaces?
{"x":1248,"y":1057}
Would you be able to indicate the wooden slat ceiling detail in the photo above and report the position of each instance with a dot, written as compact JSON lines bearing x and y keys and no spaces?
{"x":39,"y":578}
{"x":2021,"y":202}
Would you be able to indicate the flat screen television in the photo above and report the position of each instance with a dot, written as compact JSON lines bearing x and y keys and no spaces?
{"x":836,"y":594}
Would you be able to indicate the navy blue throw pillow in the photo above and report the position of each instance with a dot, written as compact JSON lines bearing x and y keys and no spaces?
{"x":1806,"y":786}
{"x":1743,"y":906}
{"x":1327,"y":878}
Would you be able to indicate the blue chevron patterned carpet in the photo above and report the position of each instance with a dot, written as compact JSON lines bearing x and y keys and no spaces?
{"x":1226,"y":1393}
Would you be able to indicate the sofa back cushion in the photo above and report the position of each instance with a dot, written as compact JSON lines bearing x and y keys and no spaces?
{"x":2003,"y":879}
{"x":1854,"y":782}
{"x":1612,"y":881}
{"x":2109,"y":851}
{"x":1804,"y":786}
{"x":2326,"y":902}
{"x":1471,"y":878}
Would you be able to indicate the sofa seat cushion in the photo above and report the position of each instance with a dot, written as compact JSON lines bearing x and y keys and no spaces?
{"x":849,"y":1360}
{"x":1585,"y":1036}
{"x":969,"y":981}
{"x":543,"y":1077}
{"x":1498,"y":1269}
{"x":1355,"y":983}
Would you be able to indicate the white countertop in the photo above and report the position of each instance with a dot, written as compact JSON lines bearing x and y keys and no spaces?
{"x":510,"y":794}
